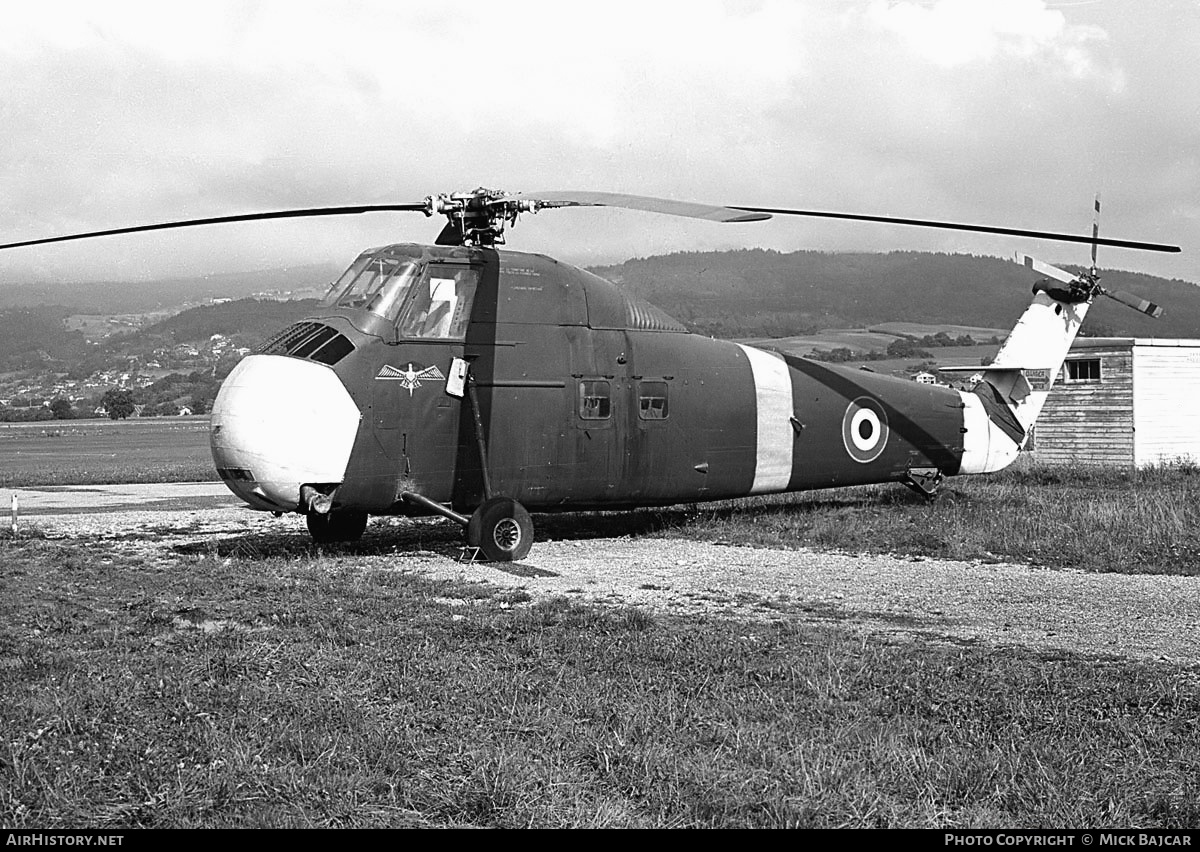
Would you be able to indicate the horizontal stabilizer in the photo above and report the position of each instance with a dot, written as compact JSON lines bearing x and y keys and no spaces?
{"x":989,"y":368}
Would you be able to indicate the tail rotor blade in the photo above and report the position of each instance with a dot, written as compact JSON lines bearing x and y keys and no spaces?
{"x":1095,"y":232}
{"x":1042,"y":268}
{"x":1136,"y":302}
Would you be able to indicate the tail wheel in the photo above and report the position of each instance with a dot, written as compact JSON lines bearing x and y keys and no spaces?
{"x":336,"y":526}
{"x":502,"y":529}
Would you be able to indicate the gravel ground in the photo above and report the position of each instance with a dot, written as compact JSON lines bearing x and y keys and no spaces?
{"x":1105,"y":615}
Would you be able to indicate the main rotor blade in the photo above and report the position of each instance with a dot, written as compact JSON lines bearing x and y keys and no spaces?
{"x":218,"y":220}
{"x":959,"y":226}
{"x":711,"y":212}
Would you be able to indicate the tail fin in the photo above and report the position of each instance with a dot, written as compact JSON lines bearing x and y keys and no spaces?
{"x":999,"y":412}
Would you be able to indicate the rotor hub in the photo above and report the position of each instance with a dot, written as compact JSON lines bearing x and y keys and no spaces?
{"x":478,"y":218}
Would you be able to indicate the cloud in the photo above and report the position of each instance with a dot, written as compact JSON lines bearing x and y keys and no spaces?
{"x":1009,"y":112}
{"x":955,"y":33}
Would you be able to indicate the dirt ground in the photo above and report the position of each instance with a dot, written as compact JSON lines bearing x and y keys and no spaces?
{"x":1102,"y":615}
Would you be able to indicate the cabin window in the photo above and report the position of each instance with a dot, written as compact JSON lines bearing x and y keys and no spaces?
{"x":652,"y":400}
{"x":440,"y":306}
{"x":1083,"y":370}
{"x":595,"y":400}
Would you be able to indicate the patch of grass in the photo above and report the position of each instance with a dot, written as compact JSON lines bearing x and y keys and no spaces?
{"x":25,"y":531}
{"x":115,"y":470}
{"x":98,"y":452}
{"x":1145,"y":521}
{"x":306,"y":691}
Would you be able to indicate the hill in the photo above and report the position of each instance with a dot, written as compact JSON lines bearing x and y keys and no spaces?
{"x":37,"y":337}
{"x":250,"y":321}
{"x":173,"y":365}
{"x":763,"y":293}
{"x":40,"y":336}
{"x":135,"y":297}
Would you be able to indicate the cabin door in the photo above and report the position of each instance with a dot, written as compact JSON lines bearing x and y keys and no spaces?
{"x":416,"y":423}
{"x":599,"y":392}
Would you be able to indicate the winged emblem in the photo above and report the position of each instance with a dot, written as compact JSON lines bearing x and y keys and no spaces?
{"x":410,"y":377}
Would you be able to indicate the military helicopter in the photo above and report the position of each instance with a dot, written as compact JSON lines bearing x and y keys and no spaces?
{"x":462,"y":380}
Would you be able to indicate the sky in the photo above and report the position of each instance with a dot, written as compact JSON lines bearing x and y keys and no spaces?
{"x":1004,"y":112}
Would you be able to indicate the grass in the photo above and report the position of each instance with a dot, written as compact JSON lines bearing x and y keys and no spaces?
{"x":97,"y":452}
{"x":1096,"y":519}
{"x":216,"y":690}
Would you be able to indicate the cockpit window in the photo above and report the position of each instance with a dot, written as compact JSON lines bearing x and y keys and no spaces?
{"x":440,"y":307}
{"x":377,"y":283}
{"x":336,"y":289}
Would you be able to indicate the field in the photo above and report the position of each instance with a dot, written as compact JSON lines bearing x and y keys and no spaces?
{"x":879,"y":336}
{"x":228,"y":688}
{"x":877,"y":339}
{"x":70,"y":452}
{"x":97,"y":327}
{"x":921,"y":329}
{"x":259,"y":681}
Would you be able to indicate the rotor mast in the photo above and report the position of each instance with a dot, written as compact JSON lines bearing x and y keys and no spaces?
{"x":477,"y":218}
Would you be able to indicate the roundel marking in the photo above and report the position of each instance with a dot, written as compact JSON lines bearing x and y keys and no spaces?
{"x":864,"y":429}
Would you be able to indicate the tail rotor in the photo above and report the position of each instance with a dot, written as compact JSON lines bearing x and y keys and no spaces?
{"x":1085,"y":286}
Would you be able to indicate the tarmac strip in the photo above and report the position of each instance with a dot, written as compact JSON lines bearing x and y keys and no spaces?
{"x":71,"y":499}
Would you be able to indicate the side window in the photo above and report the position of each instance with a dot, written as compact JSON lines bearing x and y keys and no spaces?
{"x":595,"y":399}
{"x":440,"y":307}
{"x":1083,"y":370}
{"x":652,"y":401}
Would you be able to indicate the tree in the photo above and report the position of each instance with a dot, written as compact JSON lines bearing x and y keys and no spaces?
{"x":118,"y":403}
{"x":61,"y":409}
{"x":906,"y":347}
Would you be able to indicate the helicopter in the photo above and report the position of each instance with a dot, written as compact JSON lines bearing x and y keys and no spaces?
{"x":478,"y":384}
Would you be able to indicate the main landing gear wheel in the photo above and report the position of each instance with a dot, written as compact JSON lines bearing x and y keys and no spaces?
{"x":501,"y":529}
{"x":336,"y":526}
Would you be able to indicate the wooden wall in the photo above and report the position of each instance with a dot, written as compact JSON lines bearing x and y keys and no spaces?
{"x":1090,"y":423}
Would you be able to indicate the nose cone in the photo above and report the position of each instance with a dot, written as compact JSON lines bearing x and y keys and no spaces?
{"x":279,"y":423}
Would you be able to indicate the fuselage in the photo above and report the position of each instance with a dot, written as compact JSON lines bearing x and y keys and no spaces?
{"x":586,"y":396}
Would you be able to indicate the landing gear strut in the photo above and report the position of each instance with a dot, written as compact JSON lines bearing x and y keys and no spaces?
{"x":502,"y":529}
{"x":336,"y":525}
{"x":924,"y":481}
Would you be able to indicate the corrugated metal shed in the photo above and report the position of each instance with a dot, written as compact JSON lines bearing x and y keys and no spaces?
{"x":1124,"y":402}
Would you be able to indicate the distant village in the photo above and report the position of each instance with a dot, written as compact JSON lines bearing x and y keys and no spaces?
{"x":178,"y":380}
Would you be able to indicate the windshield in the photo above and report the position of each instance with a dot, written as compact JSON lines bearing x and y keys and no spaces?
{"x":377,"y":283}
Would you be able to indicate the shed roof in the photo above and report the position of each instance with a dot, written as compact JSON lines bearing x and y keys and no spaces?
{"x":1115,"y":342}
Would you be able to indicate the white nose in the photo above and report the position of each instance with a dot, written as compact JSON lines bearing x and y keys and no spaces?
{"x":279,"y":423}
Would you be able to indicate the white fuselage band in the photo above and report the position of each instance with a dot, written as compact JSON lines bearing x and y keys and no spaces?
{"x":773,"y":405}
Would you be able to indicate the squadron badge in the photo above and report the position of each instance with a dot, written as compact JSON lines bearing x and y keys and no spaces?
{"x":410,"y":377}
